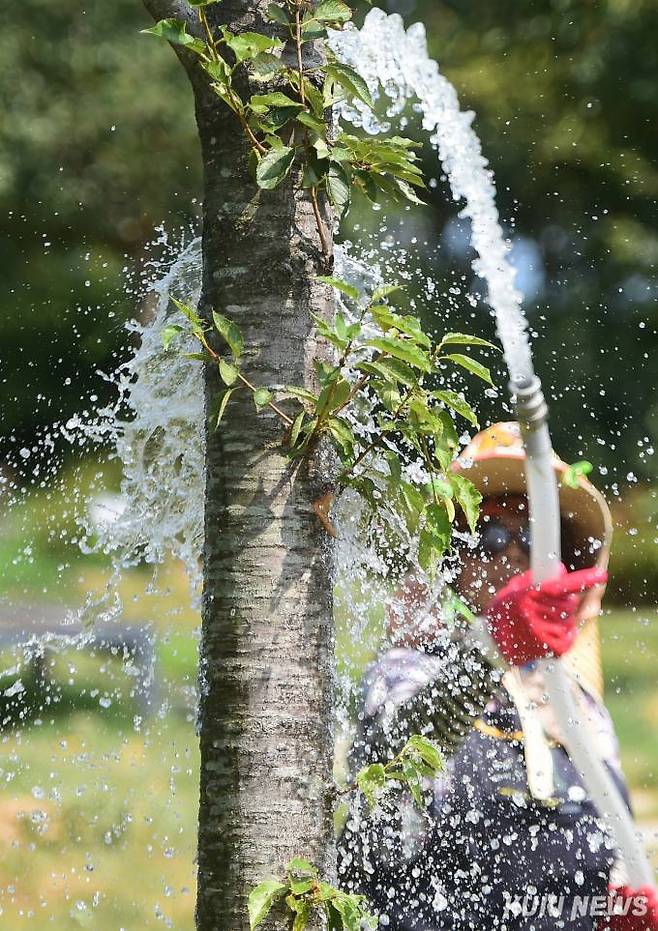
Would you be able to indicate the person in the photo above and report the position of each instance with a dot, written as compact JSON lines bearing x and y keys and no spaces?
{"x":509,"y":839}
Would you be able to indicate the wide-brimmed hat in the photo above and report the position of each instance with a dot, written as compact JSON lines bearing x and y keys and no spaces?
{"x":494,"y":462}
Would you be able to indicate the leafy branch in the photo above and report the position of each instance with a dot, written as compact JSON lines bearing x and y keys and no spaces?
{"x":304,"y":893}
{"x":287,"y":123}
{"x":419,"y":759}
{"x":377,"y":405}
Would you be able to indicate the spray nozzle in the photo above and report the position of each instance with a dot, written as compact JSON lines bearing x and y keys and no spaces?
{"x":529,"y":402}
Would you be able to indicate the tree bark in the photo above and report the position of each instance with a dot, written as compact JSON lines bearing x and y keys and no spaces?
{"x":266,"y":655}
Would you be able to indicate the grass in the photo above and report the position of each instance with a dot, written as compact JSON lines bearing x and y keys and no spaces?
{"x":98,"y":806}
{"x":97,"y":824}
{"x":98,"y":809}
{"x":630,"y":657}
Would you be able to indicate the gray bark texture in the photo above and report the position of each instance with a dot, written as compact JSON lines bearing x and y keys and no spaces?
{"x":266,"y":674}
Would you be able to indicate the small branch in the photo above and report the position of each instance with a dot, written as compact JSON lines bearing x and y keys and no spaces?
{"x":298,"y":43}
{"x":247,"y":128}
{"x":320,"y":225}
{"x":277,"y":410}
{"x":216,"y":358}
{"x":208,"y":31}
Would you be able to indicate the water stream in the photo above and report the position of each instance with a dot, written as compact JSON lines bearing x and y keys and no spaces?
{"x":155,"y":425}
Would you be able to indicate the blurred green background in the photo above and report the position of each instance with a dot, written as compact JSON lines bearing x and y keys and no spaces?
{"x":98,"y":149}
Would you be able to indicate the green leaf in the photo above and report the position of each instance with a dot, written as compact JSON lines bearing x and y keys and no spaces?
{"x":468,"y":498}
{"x":434,"y":538}
{"x":218,"y":407}
{"x":307,"y":119}
{"x":464,"y":339}
{"x":340,"y":285}
{"x":393,"y":370}
{"x":340,"y":325}
{"x":428,"y":752}
{"x":338,"y":188}
{"x":327,"y":892}
{"x":306,"y":434}
{"x":296,"y":427}
{"x":371,"y":780}
{"x":351,"y":82}
{"x":301,"y":394}
{"x":198,"y":3}
{"x":247,"y":45}
{"x":404,"y":350}
{"x":410,"y":326}
{"x":300,"y":907}
{"x":413,"y":505}
{"x":275,"y":99}
{"x":230,"y":333}
{"x":441,"y":488}
{"x":322,"y":149}
{"x":333,"y":395}
{"x":228,"y":373}
{"x":169,"y":332}
{"x":262,"y":397}
{"x":332,"y":11}
{"x":349,"y":912}
{"x":188,"y":312}
{"x":174,"y":31}
{"x":574,"y":473}
{"x":342,"y":433}
{"x":413,"y":780}
{"x":312,"y":29}
{"x":218,"y":70}
{"x":471,"y":365}
{"x":261,"y":899}
{"x":386,"y":289}
{"x":277,"y":14}
{"x":408,"y":192}
{"x":394,"y":467}
{"x":315,"y":98}
{"x":265,"y":66}
{"x":275,"y":119}
{"x":456,"y":403}
{"x":300,"y":865}
{"x":388,"y":394}
{"x":273,"y":167}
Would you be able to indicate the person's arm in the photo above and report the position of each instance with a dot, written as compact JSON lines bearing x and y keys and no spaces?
{"x":441,"y":695}
{"x":408,"y":692}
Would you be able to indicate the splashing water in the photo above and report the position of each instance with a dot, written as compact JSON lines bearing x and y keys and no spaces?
{"x":155,"y":427}
{"x":156,"y":424}
{"x":396,"y":62}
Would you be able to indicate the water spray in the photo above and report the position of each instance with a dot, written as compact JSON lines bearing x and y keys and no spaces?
{"x":396,"y":61}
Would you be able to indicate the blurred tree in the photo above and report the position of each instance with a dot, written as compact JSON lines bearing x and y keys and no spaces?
{"x":97,"y":147}
{"x":566,"y":110}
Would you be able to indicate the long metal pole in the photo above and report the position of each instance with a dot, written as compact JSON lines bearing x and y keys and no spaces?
{"x":541,"y":481}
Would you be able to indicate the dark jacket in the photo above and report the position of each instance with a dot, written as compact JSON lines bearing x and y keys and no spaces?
{"x":483,"y":844}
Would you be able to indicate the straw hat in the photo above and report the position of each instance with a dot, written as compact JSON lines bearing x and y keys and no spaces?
{"x":494,"y":462}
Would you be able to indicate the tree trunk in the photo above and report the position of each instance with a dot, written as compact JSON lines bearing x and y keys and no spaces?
{"x":266,"y":663}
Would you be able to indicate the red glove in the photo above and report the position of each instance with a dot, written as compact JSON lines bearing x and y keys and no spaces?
{"x":530,"y":621}
{"x":641,"y":911}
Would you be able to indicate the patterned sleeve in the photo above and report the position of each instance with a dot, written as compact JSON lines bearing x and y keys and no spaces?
{"x":408,"y":692}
